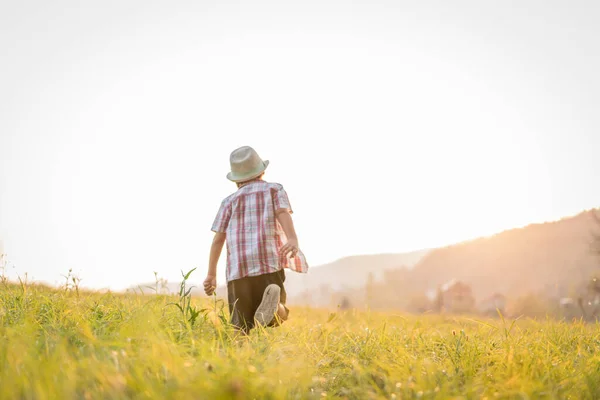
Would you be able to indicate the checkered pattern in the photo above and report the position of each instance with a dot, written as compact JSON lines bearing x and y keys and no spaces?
{"x":254,"y":236}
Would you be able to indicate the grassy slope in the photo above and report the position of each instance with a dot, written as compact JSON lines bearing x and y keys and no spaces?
{"x":57,"y":344}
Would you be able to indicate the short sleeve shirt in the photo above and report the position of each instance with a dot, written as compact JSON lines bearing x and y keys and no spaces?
{"x":254,"y":237}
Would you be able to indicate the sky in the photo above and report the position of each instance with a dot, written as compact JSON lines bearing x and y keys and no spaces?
{"x":392,"y":125}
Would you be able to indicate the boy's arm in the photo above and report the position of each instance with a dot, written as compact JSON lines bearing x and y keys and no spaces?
{"x":210,"y":283}
{"x":285,"y":219}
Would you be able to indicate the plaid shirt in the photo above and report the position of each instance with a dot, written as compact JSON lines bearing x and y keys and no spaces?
{"x":254,"y":236}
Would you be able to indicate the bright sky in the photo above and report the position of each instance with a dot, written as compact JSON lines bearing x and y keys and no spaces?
{"x":393,"y":126}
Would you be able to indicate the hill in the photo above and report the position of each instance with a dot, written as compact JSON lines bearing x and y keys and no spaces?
{"x":547,"y":261}
{"x":348,"y":273}
{"x":552,"y":258}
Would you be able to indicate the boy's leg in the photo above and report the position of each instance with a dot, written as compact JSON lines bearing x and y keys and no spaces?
{"x":241,"y":310}
{"x":266,"y":310}
{"x":259,"y":286}
{"x":282,"y":311}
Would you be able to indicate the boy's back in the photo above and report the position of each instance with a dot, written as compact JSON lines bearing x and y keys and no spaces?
{"x":255,"y":237}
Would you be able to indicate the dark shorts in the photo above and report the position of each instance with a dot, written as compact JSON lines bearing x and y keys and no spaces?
{"x":244,"y":296}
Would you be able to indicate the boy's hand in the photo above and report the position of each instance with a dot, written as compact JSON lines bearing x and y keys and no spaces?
{"x":290,"y":247}
{"x":285,"y":219}
{"x":210,"y":284}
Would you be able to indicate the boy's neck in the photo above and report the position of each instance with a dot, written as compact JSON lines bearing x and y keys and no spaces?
{"x":241,"y":185}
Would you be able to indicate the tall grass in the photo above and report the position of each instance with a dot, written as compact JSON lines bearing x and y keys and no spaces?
{"x":73,"y":344}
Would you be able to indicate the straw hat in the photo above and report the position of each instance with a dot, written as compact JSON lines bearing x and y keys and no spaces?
{"x":245,"y":164}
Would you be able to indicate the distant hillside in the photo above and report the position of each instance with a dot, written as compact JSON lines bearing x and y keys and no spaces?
{"x":347,"y":273}
{"x":552,"y":258}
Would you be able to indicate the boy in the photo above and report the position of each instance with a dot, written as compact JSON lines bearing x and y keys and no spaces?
{"x":255,"y":223}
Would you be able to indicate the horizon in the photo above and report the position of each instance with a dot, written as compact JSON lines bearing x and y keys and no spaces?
{"x":427,"y":250}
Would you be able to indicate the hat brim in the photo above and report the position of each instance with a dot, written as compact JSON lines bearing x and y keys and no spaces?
{"x":246,"y":177}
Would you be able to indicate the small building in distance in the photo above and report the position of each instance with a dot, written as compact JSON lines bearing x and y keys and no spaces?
{"x":455,"y":297}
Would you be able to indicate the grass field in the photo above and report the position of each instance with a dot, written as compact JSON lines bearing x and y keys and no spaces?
{"x":63,"y":344}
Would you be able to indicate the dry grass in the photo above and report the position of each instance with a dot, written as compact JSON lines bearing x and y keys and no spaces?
{"x":63,"y":344}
